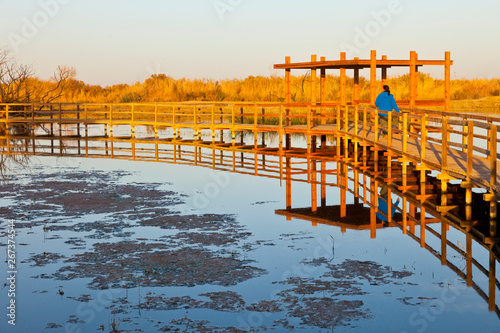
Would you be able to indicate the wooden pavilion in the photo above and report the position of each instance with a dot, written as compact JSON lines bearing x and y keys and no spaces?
{"x":373,"y":64}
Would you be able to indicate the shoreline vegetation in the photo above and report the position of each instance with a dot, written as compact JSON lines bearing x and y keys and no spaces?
{"x":477,"y":95}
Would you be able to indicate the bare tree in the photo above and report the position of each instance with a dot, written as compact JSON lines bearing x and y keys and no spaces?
{"x":13,"y":79}
{"x":18,"y":83}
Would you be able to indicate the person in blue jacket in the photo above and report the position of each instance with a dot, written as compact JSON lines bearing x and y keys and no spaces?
{"x":383,"y":204}
{"x":385,"y":102}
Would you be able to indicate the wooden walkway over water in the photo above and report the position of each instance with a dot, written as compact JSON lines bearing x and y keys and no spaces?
{"x":440,"y":162}
{"x":456,"y":147}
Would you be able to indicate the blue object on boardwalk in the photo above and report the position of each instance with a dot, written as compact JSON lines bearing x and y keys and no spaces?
{"x":386,"y":102}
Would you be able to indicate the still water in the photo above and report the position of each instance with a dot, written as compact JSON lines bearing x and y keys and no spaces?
{"x":134,"y":246}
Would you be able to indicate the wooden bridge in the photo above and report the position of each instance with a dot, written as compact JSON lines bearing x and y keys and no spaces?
{"x":437,"y":160}
{"x":457,"y":146}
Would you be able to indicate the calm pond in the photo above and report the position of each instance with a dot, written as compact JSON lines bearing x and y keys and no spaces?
{"x":132,"y":246}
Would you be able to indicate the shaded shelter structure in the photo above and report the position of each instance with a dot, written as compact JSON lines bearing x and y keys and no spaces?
{"x":373,"y":64}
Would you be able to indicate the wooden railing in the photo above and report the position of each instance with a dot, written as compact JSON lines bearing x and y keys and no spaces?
{"x":473,"y":135}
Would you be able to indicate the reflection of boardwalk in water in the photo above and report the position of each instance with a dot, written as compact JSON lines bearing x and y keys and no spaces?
{"x":322,"y":170}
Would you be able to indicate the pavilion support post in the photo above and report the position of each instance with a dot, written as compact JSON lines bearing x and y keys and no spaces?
{"x":373,"y":77}
{"x":415,"y":82}
{"x":413,"y":78}
{"x":447,"y":82}
{"x":355,"y":93}
{"x":384,"y":71}
{"x":343,"y":81}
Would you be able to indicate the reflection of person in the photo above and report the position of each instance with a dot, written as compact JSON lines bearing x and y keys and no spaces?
{"x":383,"y":205}
{"x":385,"y":102}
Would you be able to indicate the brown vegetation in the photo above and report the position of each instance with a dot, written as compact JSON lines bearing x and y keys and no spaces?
{"x":19,"y":84}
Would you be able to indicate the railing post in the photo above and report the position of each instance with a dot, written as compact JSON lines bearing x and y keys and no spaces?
{"x":464,"y":135}
{"x":156,"y":123}
{"x":470,"y":167}
{"x":405,"y":133}
{"x":308,"y":118}
{"x":263,"y":122}
{"x":389,"y":129}
{"x":212,"y":126}
{"x":339,"y":128}
{"x":493,"y":180}
{"x":33,"y":122}
{"x":443,"y":208}
{"x":376,"y":126}
{"x":444,"y":143}
{"x":133,"y":122}
{"x":356,"y":120}
{"x":60,"y":120}
{"x":255,"y":132}
{"x":365,"y":123}
{"x":423,"y":137}
{"x":346,"y":123}
{"x":233,"y":135}
{"x":111,"y":121}
{"x":346,"y":129}
{"x":86,"y":121}
{"x":213,"y":115}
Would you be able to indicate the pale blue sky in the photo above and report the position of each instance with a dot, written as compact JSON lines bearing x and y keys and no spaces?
{"x":124,"y":41}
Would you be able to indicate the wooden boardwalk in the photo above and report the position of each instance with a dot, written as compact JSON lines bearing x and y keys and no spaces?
{"x":457,"y":147}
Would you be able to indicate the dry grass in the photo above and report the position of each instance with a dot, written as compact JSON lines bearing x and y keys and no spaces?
{"x":478,"y":95}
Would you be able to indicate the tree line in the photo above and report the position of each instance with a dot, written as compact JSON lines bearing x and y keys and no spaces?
{"x":19,"y":84}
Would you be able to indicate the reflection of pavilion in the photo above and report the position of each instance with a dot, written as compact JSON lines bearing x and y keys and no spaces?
{"x":357,"y":216}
